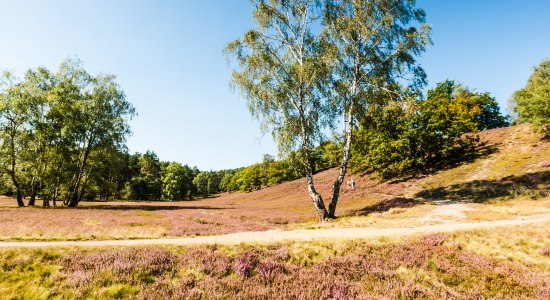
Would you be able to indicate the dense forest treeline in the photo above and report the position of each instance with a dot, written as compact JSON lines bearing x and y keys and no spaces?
{"x":63,"y":139}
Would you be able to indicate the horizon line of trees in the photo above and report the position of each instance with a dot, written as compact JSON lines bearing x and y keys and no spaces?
{"x":417,"y":137}
{"x":63,"y":139}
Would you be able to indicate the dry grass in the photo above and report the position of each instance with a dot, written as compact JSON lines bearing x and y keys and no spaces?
{"x":507,"y":209}
{"x":517,"y":152}
{"x":430,"y":267}
{"x":392,"y":217}
{"x":528,"y":245}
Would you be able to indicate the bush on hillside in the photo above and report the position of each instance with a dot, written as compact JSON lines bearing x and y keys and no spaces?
{"x":533,"y":101}
{"x":421,"y":135}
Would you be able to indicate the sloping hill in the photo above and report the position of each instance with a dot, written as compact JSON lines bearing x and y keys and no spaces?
{"x":515,"y":164}
{"x":512,"y":162}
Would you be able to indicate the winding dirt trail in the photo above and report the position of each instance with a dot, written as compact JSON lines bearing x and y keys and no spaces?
{"x":272,"y":236}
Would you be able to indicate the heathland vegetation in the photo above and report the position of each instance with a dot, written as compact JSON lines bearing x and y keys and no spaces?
{"x":432,"y":267}
{"x":508,"y":182}
{"x":442,"y":159}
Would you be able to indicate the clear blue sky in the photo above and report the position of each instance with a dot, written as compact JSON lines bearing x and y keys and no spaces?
{"x":167,"y":56}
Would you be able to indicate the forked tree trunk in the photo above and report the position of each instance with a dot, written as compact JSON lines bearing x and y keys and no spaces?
{"x":316,"y":197}
{"x":343,"y":168}
{"x":18,"y":193}
{"x":32,"y":199}
{"x":83,"y":189}
{"x":74,"y":193}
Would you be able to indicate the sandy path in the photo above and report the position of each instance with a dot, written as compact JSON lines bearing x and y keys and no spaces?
{"x":447,"y":211}
{"x":293,"y":235}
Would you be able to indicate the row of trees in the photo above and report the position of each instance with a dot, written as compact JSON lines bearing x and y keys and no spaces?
{"x":60,"y":132}
{"x":394,"y":140}
{"x":62,"y":138}
{"x":116,"y":174}
{"x":270,"y":171}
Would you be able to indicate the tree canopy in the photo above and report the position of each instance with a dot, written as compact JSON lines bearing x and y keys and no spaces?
{"x":533,"y":101}
{"x":421,"y":135}
{"x":56,"y":128}
{"x":309,"y":62}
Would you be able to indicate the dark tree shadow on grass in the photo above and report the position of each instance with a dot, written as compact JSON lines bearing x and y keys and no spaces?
{"x":534,"y":185}
{"x":149,"y":207}
{"x":386,"y":205}
{"x":461,"y":156}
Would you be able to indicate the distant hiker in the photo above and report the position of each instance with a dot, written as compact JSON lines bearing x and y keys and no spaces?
{"x":352,"y":183}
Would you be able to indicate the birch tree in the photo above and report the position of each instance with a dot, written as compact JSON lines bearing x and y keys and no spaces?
{"x":37,"y":83}
{"x":99,"y":120}
{"x":376,"y":44}
{"x":308,"y":62}
{"x":280,"y":67}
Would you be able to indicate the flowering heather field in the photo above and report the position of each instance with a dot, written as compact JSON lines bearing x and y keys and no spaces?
{"x":431,"y":267}
{"x":513,"y":170}
{"x":276,"y":207}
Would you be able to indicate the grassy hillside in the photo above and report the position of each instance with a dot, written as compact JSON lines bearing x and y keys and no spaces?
{"x":511,"y":171}
{"x":509,"y":178}
{"x":515,"y":161}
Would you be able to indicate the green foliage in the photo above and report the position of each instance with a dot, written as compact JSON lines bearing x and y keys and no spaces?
{"x":177,"y":181}
{"x":251,"y":178}
{"x":62,"y":137}
{"x":279,"y":70}
{"x":383,"y":143}
{"x":267,"y":173}
{"x":327,"y":155}
{"x":309,"y":62}
{"x":144,"y":181}
{"x":147,"y":178}
{"x":201,"y":182}
{"x":412,"y":136}
{"x":373,"y":46}
{"x":533,"y":101}
{"x":57,"y":129}
{"x":490,"y":116}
